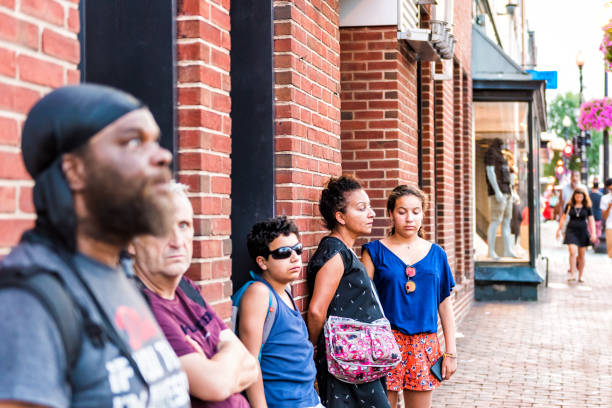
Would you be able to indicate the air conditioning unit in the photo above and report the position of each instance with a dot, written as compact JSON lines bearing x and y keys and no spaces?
{"x":430,"y":44}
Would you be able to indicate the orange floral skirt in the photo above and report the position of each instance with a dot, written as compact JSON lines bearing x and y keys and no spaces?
{"x":419,"y":353}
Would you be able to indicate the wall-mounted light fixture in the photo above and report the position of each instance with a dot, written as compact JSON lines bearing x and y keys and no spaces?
{"x":510,"y":7}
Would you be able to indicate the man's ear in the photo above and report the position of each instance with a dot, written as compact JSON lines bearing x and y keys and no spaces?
{"x":73,"y":167}
{"x":340,"y":218}
{"x":261,"y":262}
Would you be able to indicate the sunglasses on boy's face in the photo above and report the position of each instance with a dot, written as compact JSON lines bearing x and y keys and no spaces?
{"x":285,"y":252}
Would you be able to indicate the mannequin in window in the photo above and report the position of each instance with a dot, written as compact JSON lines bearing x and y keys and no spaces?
{"x":499,"y":182}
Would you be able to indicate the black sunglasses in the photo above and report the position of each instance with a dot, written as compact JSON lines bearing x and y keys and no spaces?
{"x":285,"y":252}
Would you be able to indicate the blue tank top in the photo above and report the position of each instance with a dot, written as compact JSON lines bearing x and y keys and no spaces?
{"x":287,"y":364}
{"x":416,"y":312}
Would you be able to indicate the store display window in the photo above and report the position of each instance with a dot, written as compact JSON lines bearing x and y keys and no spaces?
{"x":501,"y":181}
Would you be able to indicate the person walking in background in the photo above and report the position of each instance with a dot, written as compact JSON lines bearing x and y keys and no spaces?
{"x":286,"y":356}
{"x":577,"y":238}
{"x":568,"y":189}
{"x":566,"y":193}
{"x":340,"y":286}
{"x":101,"y":179}
{"x":606,"y":213}
{"x":198,"y":336}
{"x":415,"y":281}
{"x":595,"y":196}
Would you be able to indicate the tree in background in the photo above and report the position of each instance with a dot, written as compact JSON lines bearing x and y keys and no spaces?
{"x":568,"y":104}
{"x":563,"y":105}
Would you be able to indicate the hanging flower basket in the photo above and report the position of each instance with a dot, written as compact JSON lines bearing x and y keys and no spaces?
{"x":606,"y":46}
{"x":596,"y":114}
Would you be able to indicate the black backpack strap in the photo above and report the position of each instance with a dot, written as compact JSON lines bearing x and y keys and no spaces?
{"x":191,"y":292}
{"x":49,"y":288}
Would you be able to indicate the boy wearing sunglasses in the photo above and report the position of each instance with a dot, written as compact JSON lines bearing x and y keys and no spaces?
{"x":286,"y":358}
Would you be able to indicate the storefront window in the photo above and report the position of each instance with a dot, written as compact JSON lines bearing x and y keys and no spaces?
{"x":501,"y":185}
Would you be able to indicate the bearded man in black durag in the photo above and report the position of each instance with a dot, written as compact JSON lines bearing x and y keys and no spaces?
{"x":80,"y":332}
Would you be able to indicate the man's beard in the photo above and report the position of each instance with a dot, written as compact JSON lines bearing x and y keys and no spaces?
{"x":121,"y":208}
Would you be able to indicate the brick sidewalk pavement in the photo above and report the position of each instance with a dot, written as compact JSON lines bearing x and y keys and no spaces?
{"x":556,"y":352}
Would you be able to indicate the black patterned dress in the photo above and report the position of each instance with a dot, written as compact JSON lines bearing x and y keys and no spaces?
{"x":353,"y":299}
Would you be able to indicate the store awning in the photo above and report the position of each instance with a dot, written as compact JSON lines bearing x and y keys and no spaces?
{"x":495,"y":72}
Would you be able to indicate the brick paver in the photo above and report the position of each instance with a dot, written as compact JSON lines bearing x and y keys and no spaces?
{"x":556,"y":352}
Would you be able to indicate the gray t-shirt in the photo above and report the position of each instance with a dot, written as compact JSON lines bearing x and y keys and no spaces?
{"x":31,"y":348}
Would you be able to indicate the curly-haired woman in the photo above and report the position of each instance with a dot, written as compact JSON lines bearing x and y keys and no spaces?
{"x":340,"y":286}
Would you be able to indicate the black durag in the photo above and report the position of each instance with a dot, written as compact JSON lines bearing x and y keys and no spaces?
{"x":61,"y":122}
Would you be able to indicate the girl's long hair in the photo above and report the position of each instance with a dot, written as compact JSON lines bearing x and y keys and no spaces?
{"x":406,"y":190}
{"x":586,"y":202}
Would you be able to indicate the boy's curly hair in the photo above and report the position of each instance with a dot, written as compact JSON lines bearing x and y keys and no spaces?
{"x":333,"y":198}
{"x":264,"y":232}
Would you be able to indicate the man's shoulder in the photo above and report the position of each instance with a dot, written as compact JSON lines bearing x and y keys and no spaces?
{"x":28,"y":255}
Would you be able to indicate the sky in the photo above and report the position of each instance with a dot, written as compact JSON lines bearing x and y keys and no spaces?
{"x":563,"y":28}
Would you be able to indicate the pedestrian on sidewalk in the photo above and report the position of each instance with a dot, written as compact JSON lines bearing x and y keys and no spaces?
{"x":606,"y":212}
{"x":414,"y":280}
{"x":340,"y":286}
{"x":595,"y":196}
{"x":577,"y":236}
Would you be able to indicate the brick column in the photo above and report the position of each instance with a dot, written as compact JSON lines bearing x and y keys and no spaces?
{"x":459,"y":169}
{"x":39,"y":51}
{"x":444,"y":156}
{"x":468,"y":181}
{"x":379,"y":114}
{"x":204,"y":143}
{"x":307,"y":77}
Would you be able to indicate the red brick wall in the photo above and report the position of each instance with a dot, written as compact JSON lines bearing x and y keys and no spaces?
{"x":380,"y":139}
{"x":204,"y":143}
{"x":307,"y":76}
{"x":379,"y":113}
{"x":39,"y":51}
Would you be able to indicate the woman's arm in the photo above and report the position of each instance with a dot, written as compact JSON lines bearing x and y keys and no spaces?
{"x":593,"y":230}
{"x":561,"y":223}
{"x":366,"y":260}
{"x":252,"y":315}
{"x":447,"y":316}
{"x":326,"y":284}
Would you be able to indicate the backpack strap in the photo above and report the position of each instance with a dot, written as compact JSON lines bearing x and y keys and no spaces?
{"x":50,"y":290}
{"x":191,"y":292}
{"x":270,"y":315}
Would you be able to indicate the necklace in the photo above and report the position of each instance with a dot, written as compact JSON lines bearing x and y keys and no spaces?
{"x":410,"y":285}
{"x":578,"y":212}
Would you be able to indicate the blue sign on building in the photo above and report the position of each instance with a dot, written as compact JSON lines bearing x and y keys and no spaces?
{"x":549,"y":76}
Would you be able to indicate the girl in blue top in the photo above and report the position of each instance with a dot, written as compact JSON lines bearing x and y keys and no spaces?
{"x":414,"y":281}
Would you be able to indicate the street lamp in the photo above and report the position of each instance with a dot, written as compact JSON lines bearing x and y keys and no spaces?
{"x":583,"y":160}
{"x":580,"y":63}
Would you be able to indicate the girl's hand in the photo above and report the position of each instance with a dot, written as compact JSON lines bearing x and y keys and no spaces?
{"x":449,"y":366}
{"x":593,"y":238}
{"x":558,"y":234}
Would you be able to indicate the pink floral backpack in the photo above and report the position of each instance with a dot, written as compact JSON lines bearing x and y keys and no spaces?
{"x":360,"y":352}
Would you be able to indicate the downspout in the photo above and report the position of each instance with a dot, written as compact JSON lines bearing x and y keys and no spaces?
{"x":523,"y":34}
{"x":490,"y":14}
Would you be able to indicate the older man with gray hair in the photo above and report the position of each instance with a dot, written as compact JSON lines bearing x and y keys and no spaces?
{"x":218,"y":366}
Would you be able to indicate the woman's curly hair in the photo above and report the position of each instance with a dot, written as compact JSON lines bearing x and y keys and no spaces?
{"x":333,"y":198}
